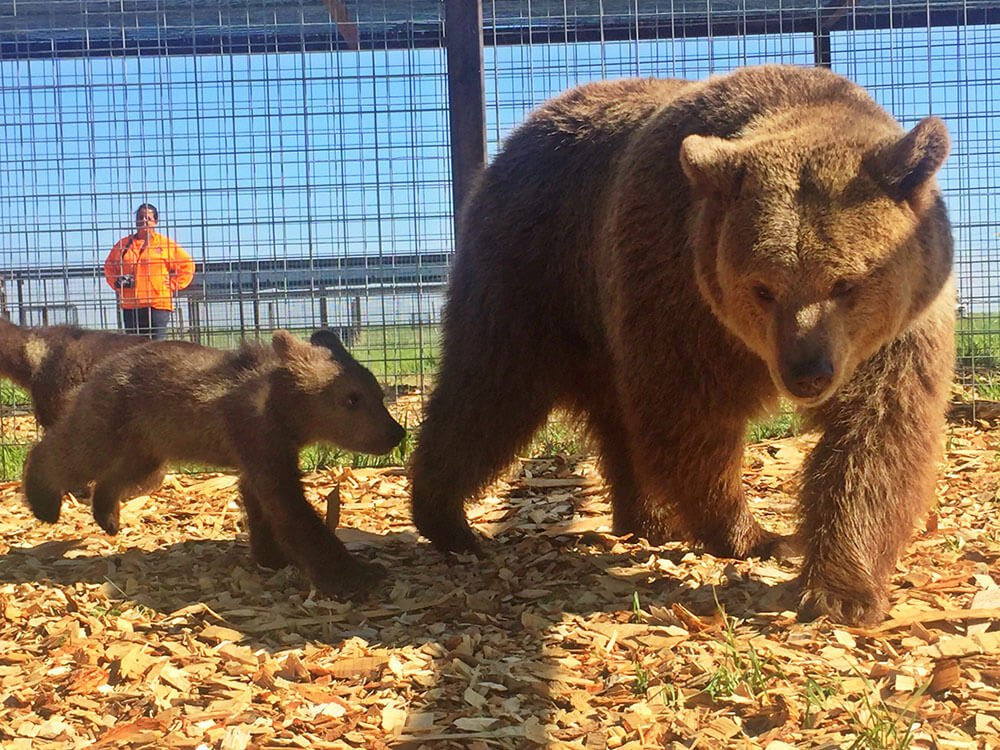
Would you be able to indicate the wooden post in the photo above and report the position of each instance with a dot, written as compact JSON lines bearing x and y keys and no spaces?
{"x":195,"y":318}
{"x":466,"y":94}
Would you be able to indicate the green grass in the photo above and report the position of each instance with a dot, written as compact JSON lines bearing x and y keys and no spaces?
{"x":12,"y":457}
{"x":881,"y":726}
{"x":740,"y":665}
{"x":816,"y":697}
{"x":978,"y":341}
{"x":13,"y":395}
{"x":563,"y":433}
{"x":785,"y":422}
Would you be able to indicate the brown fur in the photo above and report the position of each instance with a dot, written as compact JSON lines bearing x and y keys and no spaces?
{"x":51,"y":362}
{"x":253,"y":408}
{"x":668,"y":258}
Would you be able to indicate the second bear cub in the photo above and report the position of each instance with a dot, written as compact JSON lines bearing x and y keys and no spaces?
{"x":253,"y":408}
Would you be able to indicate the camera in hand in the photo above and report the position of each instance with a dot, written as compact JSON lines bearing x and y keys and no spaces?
{"x":125,"y":282}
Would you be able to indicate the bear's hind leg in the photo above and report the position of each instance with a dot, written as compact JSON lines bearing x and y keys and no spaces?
{"x":473,"y":428}
{"x":630,"y":511}
{"x":264,"y":548}
{"x":695,"y":472}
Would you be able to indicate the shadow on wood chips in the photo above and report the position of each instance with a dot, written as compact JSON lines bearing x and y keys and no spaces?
{"x":561,"y":636}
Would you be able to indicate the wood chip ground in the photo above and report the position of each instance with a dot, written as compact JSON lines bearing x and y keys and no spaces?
{"x":563,"y":636}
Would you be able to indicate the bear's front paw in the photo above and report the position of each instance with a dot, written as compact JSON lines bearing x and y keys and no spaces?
{"x":754,"y":542}
{"x":860,"y":607}
{"x":353,"y":580}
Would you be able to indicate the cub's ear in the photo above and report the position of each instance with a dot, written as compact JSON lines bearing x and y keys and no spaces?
{"x":712,"y":165}
{"x":904,"y":166}
{"x":329,"y":340}
{"x":285,"y":344}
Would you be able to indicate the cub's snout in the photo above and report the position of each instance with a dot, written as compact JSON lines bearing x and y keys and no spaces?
{"x":393,"y":434}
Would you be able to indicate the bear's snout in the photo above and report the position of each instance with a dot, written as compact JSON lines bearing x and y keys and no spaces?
{"x":394,"y":436}
{"x":808,"y":377}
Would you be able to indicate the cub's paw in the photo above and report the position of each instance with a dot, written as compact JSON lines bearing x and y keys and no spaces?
{"x":457,"y":537}
{"x":108,"y":520}
{"x":863,"y":608}
{"x":354,"y":580}
{"x":268,"y":556}
{"x":45,"y":507}
{"x":45,"y":502}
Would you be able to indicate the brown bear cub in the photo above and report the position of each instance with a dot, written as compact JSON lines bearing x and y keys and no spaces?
{"x":670,"y":257}
{"x":253,"y":408}
{"x":52,"y":361}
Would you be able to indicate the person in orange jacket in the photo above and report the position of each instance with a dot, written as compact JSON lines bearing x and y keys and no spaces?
{"x":145,"y":269}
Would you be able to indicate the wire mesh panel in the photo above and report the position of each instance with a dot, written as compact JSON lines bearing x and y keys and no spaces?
{"x":309,"y":180}
{"x":298,"y":149}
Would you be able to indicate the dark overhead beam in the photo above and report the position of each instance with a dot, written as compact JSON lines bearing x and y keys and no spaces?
{"x":20,"y":44}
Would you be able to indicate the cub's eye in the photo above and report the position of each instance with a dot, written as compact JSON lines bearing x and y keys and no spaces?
{"x":841,"y":288}
{"x":763,"y":293}
{"x":352,"y":400}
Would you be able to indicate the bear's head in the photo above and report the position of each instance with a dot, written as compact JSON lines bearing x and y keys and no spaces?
{"x":819,"y":240}
{"x":329,"y":396}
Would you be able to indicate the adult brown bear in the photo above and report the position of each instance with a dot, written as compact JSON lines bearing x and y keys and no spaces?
{"x":667,"y":258}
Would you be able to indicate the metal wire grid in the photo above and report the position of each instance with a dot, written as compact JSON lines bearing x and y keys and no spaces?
{"x":267,"y":163}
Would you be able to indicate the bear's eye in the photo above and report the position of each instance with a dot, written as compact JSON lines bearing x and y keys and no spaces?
{"x":763,"y":293}
{"x":841,"y":288}
{"x":353,"y":400}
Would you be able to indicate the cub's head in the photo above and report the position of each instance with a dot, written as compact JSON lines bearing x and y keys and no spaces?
{"x":330,"y":396}
{"x":817,"y":245}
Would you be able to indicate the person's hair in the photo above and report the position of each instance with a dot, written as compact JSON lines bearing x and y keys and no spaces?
{"x":151,"y":207}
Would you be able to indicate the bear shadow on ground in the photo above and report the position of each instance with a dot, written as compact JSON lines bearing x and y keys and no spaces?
{"x":450,"y":598}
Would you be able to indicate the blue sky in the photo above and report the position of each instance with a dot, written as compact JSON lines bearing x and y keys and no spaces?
{"x":346,"y":153}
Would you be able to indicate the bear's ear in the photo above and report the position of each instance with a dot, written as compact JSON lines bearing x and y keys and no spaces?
{"x":902,"y":167}
{"x":712,"y":165}
{"x":284,"y":344}
{"x":329,"y":340}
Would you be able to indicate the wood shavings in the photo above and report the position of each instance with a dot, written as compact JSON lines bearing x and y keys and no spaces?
{"x":562,"y":635}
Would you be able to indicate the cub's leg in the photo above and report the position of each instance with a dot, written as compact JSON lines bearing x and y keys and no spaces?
{"x":271,"y":480}
{"x":872,"y":474}
{"x":264,"y":548}
{"x":43,"y":479}
{"x":150,"y":483}
{"x":126,"y":472}
{"x":474,"y":424}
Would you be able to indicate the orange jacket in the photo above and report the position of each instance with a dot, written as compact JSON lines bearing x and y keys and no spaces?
{"x":159,"y":269}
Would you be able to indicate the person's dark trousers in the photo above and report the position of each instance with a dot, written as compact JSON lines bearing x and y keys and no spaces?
{"x":146,"y":321}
